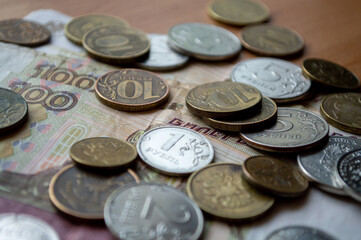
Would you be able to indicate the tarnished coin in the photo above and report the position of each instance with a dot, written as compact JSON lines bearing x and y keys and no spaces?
{"x":320,"y":165}
{"x":222,"y":99}
{"x":277,"y":79}
{"x":82,"y":193}
{"x":266,"y":117}
{"x":24,"y":227}
{"x":103,"y":152}
{"x":131,"y":89}
{"x":238,"y":12}
{"x":76,"y":28}
{"x":13,"y":110}
{"x":152,"y":211}
{"x":116,"y":44}
{"x":175,"y":150}
{"x":161,"y":57}
{"x":330,"y":74}
{"x":299,"y":233}
{"x":272,"y":175}
{"x":220,"y":189}
{"x":343,"y":111}
{"x":204,"y":41}
{"x":294,"y":130}
{"x":271,"y":40}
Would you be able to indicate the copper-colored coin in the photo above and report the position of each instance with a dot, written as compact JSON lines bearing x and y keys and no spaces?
{"x":103,"y":152}
{"x":220,"y":189}
{"x":131,"y":90}
{"x":23,"y":32}
{"x":343,"y":111}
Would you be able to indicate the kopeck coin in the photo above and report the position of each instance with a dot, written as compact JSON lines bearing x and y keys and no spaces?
{"x":294,"y":130}
{"x":204,"y":41}
{"x":220,"y":189}
{"x":299,"y":233}
{"x":131,"y":90}
{"x":175,"y":150}
{"x":152,"y":211}
{"x":277,"y":79}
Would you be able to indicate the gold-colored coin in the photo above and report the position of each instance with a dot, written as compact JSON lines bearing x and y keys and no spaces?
{"x":238,"y":12}
{"x":220,"y":189}
{"x":76,"y":28}
{"x":222,"y":99}
{"x":343,"y":111}
{"x":131,"y":89}
{"x":330,"y":74}
{"x":271,"y":40}
{"x":276,"y":176}
{"x":103,"y":152}
{"x":116,"y":44}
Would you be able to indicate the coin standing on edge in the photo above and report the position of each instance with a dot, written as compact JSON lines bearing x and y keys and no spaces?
{"x":299,"y":233}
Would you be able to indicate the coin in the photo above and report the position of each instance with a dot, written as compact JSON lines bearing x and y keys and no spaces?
{"x":343,"y":111}
{"x":222,"y":99}
{"x":103,"y":152}
{"x":204,"y":41}
{"x":76,"y":28}
{"x":175,"y":150}
{"x":131,"y":89}
{"x":330,"y":74}
{"x":277,"y":79}
{"x":23,"y":32}
{"x":13,"y":110}
{"x":82,"y":193}
{"x":271,"y":40}
{"x":25,"y":227}
{"x":299,"y":233}
{"x":116,"y":44}
{"x":238,"y":12}
{"x":294,"y":130}
{"x":152,"y":211}
{"x":266,"y":117}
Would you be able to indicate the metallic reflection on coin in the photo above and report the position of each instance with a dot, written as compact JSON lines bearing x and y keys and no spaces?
{"x":152,"y":211}
{"x":175,"y":150}
{"x":299,"y":233}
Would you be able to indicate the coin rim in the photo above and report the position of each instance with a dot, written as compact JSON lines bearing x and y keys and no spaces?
{"x":311,"y":228}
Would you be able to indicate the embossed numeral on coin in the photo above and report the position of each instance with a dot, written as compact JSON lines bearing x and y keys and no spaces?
{"x":270,"y":72}
{"x":138,"y":89}
{"x":282,"y":125}
{"x":171,"y":142}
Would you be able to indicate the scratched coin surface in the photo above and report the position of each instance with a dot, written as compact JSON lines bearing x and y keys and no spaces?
{"x":299,"y":233}
{"x":204,"y":41}
{"x":131,"y":89}
{"x":82,"y":193}
{"x":103,"y":152}
{"x":295,"y":130}
{"x":343,"y":111}
{"x":222,"y":99}
{"x":152,"y":211}
{"x":277,"y":79}
{"x":24,"y":227}
{"x":271,"y":40}
{"x":175,"y":150}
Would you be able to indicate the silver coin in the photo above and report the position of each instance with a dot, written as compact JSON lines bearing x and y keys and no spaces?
{"x":161,"y":56}
{"x":204,"y":41}
{"x":299,"y":233}
{"x":175,"y":150}
{"x":152,"y":211}
{"x":320,"y":165}
{"x":277,"y":79}
{"x":24,"y":227}
{"x":295,"y":130}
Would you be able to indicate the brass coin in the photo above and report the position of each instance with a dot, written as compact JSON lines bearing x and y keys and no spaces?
{"x":244,"y":122}
{"x":83,"y":193}
{"x":271,"y":40}
{"x":131,"y":89}
{"x":275,"y":176}
{"x":330,"y":74}
{"x":222,"y":99}
{"x":76,"y":28}
{"x":343,"y":111}
{"x":116,"y":44}
{"x":238,"y":12}
{"x":220,"y":189}
{"x":103,"y":152}
{"x":23,"y":32}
